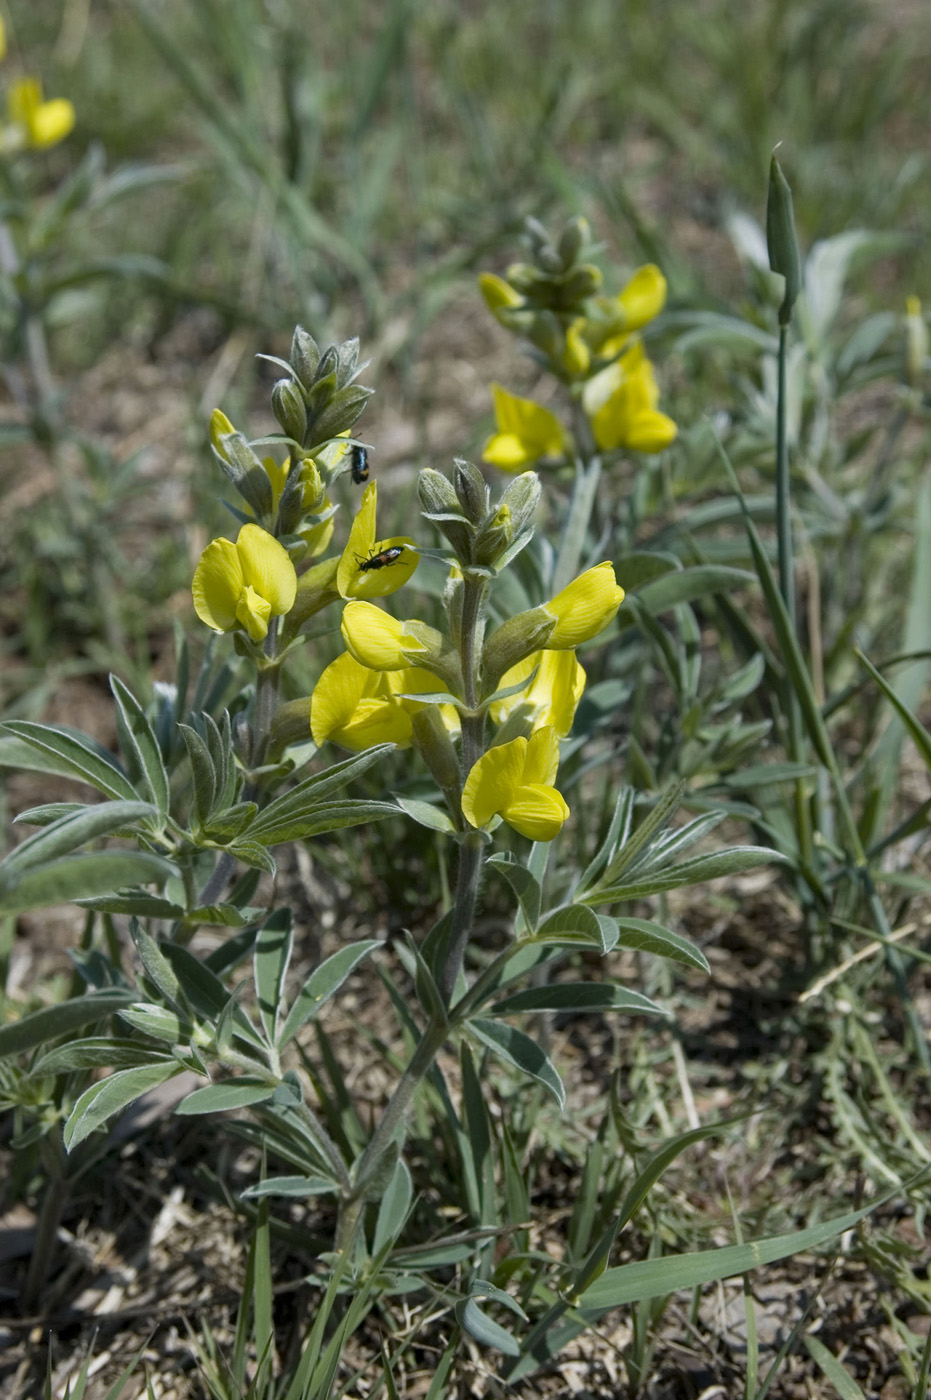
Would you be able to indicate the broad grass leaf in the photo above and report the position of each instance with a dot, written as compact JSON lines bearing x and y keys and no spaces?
{"x":833,"y":1372}
{"x":53,"y":1022}
{"x":686,"y":584}
{"x":519,"y":1050}
{"x":321,"y":984}
{"x":70,"y":754}
{"x":102,"y":1100}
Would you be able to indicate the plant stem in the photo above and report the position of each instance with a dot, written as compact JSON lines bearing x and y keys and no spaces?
{"x":786,"y":557}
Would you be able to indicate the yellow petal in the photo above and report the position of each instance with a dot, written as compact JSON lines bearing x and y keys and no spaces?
{"x":493,"y":782}
{"x":336,"y":696}
{"x":524,"y":427}
{"x":252,"y":613}
{"x":23,"y":100}
{"x":643,"y":298}
{"x":497,"y":292}
{"x":375,"y":722}
{"x":552,"y":697}
{"x":650,"y":432}
{"x":584,"y":608}
{"x":360,"y":542}
{"x":375,"y":638}
{"x":507,"y":451}
{"x":576,"y":356}
{"x":542,"y":758}
{"x":317,"y":537}
{"x":267,"y":567}
{"x":52,"y":122}
{"x":537,"y":811}
{"x":217,"y":586}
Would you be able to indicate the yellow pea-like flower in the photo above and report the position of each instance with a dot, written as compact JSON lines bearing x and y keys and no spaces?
{"x":380,"y":641}
{"x":620,"y":403}
{"x":552,"y":697}
{"x":244,"y":584}
{"x":358,"y":707}
{"x":514,"y":781}
{"x":369,"y":567}
{"x":584,"y":607}
{"x":526,"y":431}
{"x":37,"y":123}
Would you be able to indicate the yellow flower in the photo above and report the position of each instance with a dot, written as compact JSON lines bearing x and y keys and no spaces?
{"x":34,"y":122}
{"x":553,"y":695}
{"x":576,"y":355}
{"x":380,"y":641}
{"x":244,"y":584}
{"x":498,"y":294}
{"x":526,"y":432}
{"x":621,"y":402}
{"x":2,"y":39}
{"x":357,"y":707}
{"x":514,"y":781}
{"x":584,"y":607}
{"x":372,"y":568}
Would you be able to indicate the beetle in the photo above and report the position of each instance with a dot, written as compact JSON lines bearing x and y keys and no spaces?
{"x":378,"y":561}
{"x":360,"y":465}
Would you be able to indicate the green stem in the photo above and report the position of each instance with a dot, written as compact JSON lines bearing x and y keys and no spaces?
{"x":786,"y":558}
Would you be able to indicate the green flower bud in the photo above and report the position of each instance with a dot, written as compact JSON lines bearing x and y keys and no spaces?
{"x":580,"y":284}
{"x":305,"y":356}
{"x":522,"y":496}
{"x":574,"y":238}
{"x":781,"y":240}
{"x":471,"y":491}
{"x":494,"y":538}
{"x":431,"y":739}
{"x":513,"y":640}
{"x":288,"y":408}
{"x":315,"y":589}
{"x":436,"y":493}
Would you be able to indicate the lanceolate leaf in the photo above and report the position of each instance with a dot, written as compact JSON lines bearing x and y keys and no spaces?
{"x":523,"y":884}
{"x":271,"y":830}
{"x":222,"y":1098}
{"x":577,"y":996}
{"x":52,"y":1022}
{"x":648,"y":937}
{"x":270,"y":961}
{"x":690,"y":872}
{"x":73,"y":755}
{"x":81,"y":877}
{"x":140,"y":746}
{"x":574,"y":925}
{"x":102,"y":1100}
{"x":321,"y":985}
{"x":74,"y":829}
{"x":520,"y":1051}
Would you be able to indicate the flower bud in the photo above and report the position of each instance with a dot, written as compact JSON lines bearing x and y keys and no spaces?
{"x":512,"y":642}
{"x":573,"y":239}
{"x":522,"y":496}
{"x":220,"y":426}
{"x":288,"y":407}
{"x":916,"y":342}
{"x":781,"y":240}
{"x":494,"y":538}
{"x":305,"y":356}
{"x":315,"y":590}
{"x":471,"y":491}
{"x":431,"y":739}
